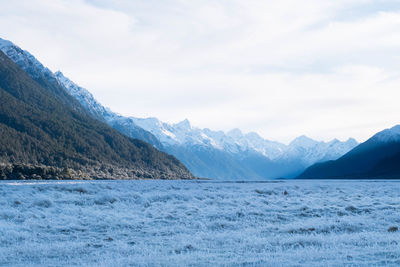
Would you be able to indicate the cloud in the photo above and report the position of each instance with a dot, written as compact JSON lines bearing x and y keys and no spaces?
{"x":282,"y":68}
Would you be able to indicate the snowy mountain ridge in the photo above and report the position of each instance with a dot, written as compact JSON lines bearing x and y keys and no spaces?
{"x":85,"y":98}
{"x":312,"y":151}
{"x":24,"y":59}
{"x":192,"y":145}
{"x":235,"y":141}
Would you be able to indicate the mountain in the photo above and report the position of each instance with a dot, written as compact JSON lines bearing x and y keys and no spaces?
{"x":206,"y":153}
{"x":43,"y":129}
{"x":378,"y":157}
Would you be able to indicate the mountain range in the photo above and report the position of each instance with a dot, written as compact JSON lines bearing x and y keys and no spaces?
{"x":206,"y":153}
{"x":231,"y":155}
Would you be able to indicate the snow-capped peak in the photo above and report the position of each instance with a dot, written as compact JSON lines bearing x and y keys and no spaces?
{"x":235,"y":133}
{"x":334,"y":141}
{"x":351,"y":141}
{"x":185,"y":124}
{"x":303,"y":141}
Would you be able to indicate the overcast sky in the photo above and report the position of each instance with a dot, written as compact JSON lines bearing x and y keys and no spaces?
{"x":282,"y":68}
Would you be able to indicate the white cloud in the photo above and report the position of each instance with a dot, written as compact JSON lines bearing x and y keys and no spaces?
{"x":283,"y":68}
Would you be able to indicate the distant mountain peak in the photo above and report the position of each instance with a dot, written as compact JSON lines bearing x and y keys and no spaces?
{"x":303,"y":141}
{"x":334,"y":140}
{"x":352,"y":141}
{"x":185,"y":124}
{"x":235,"y":133}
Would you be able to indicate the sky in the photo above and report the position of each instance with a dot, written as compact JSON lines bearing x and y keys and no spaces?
{"x":326,"y":69}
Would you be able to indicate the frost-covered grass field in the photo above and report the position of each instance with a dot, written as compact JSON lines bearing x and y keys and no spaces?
{"x":120,"y":223}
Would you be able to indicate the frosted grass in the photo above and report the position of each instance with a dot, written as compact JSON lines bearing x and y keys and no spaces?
{"x":173,"y":223}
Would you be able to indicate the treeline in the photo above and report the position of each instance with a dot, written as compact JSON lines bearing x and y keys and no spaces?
{"x":29,"y":172}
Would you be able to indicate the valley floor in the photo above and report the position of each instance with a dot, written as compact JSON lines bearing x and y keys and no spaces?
{"x":202,"y":223}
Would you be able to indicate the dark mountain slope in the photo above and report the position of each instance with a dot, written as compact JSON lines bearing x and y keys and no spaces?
{"x":39,"y":125}
{"x":387,"y":167}
{"x":378,"y":157}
